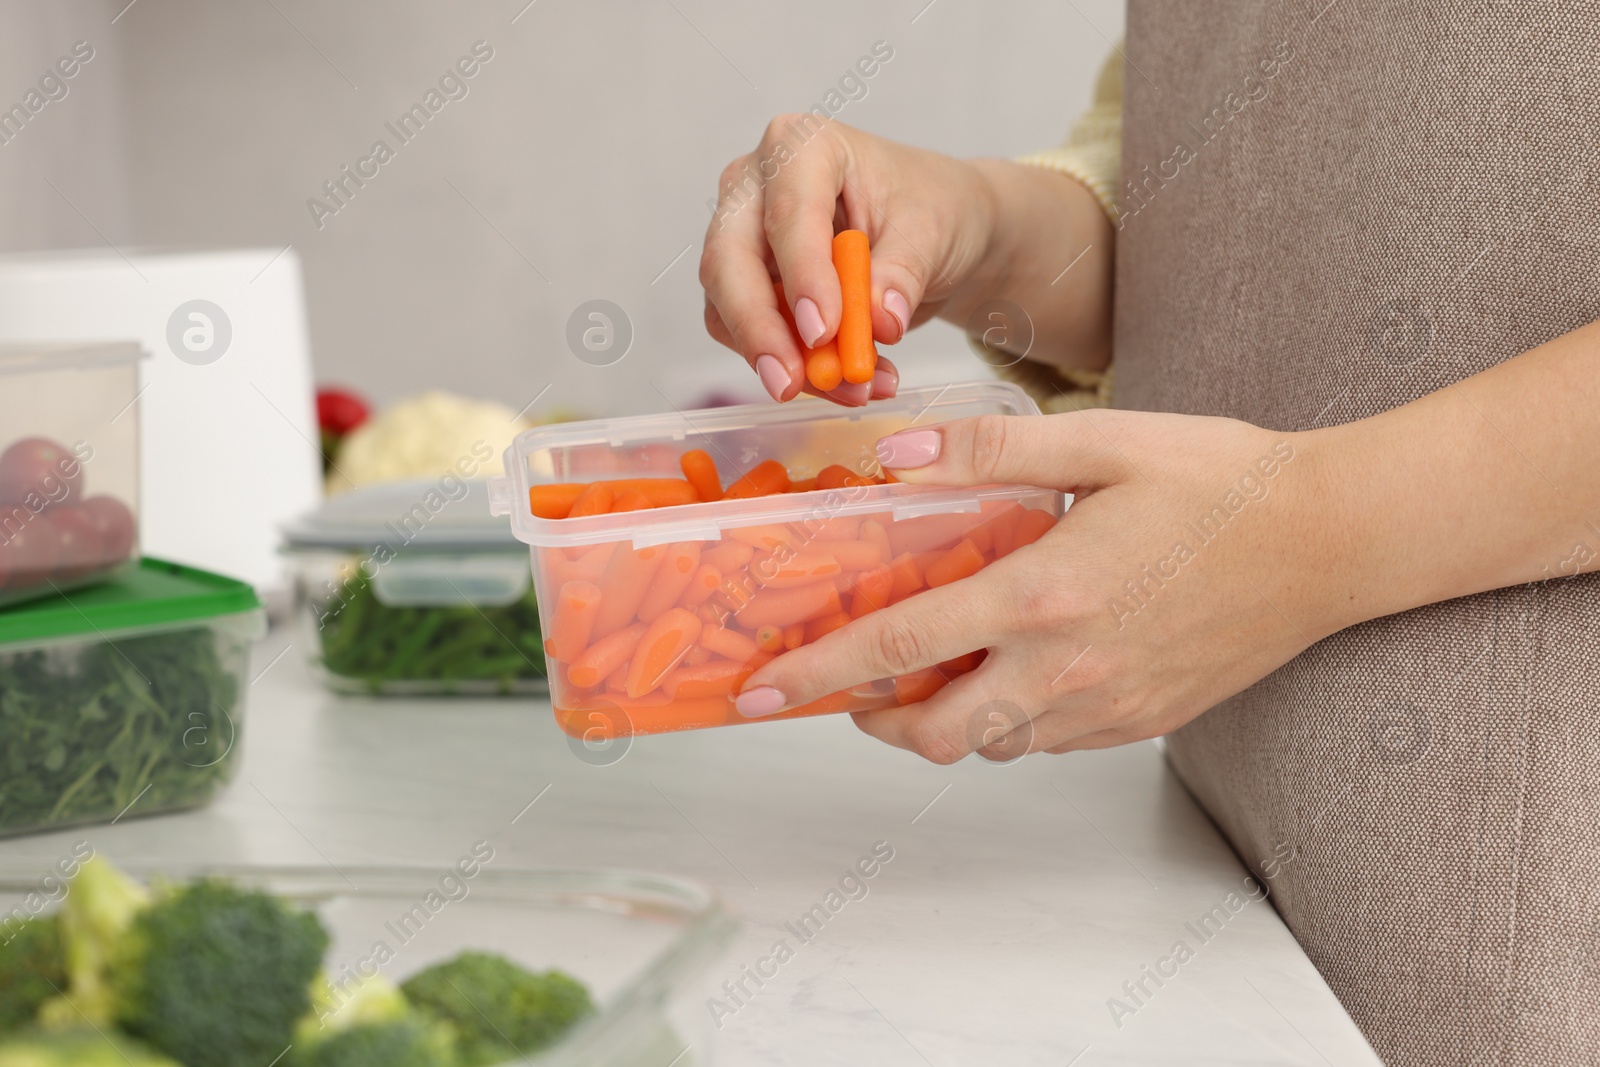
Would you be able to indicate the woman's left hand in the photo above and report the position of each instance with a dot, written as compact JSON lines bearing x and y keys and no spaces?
{"x":1194,"y":560}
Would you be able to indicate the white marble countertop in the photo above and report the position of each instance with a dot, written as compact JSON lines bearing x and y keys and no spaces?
{"x":1019,"y":900}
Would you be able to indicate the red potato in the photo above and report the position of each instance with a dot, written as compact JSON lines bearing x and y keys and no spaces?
{"x":40,"y":473}
{"x":28,"y":547}
{"x":78,"y":542}
{"x":115,"y":524}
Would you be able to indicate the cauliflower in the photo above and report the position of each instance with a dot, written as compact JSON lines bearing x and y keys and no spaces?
{"x":427,"y":436}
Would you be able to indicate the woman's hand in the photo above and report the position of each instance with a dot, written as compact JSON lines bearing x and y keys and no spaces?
{"x":1191,"y":564}
{"x":948,"y":236}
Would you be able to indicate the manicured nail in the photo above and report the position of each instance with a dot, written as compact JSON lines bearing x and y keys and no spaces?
{"x":808,"y":320}
{"x":762,"y":700}
{"x":852,"y":394}
{"x":885,"y":383}
{"x":909,"y":449}
{"x":898,"y":306}
{"x":773,"y":377}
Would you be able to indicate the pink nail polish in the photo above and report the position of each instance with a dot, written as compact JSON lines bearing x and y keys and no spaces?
{"x":808,"y":320}
{"x":762,"y":700}
{"x":885,"y":383}
{"x":909,"y":449}
{"x":773,"y":377}
{"x":895,"y":303}
{"x":853,"y":394}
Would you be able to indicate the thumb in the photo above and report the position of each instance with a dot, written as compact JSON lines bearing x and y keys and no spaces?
{"x":1066,"y":452}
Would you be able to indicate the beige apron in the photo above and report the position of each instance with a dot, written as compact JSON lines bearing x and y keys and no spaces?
{"x":1336,"y":208}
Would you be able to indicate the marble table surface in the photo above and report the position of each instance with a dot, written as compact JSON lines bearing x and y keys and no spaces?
{"x":1019,"y":900}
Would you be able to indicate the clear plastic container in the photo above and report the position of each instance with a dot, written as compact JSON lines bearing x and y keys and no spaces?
{"x":757,"y":575}
{"x":412,"y":588}
{"x":643,"y":944}
{"x":125,"y":699}
{"x":69,"y":466}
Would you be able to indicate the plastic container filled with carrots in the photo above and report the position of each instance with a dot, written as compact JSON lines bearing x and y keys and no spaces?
{"x":674,"y":554}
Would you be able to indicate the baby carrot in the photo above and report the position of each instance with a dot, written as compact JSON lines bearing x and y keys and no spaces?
{"x":554,"y":501}
{"x":715,"y":678}
{"x":852,"y":261}
{"x":660,"y":648}
{"x":873,"y":532}
{"x":781,"y":607}
{"x":624,"y":584}
{"x":702,"y":583}
{"x":818,"y":628}
{"x":671,"y":579}
{"x":925,"y":532}
{"x":630,"y":500}
{"x":963,"y":663}
{"x":794,"y":635}
{"x":802,"y":485}
{"x":701,"y":471}
{"x":871,"y":591}
{"x":731,"y":554}
{"x":573,"y":620}
{"x":823,"y":370}
{"x":1032,"y":525}
{"x":918,"y":686}
{"x":768,"y":536}
{"x":769,"y":638}
{"x":907,"y":577}
{"x":857,"y":555}
{"x":802,"y":568}
{"x":1003,"y":529}
{"x":836,"y":528}
{"x":595,"y":499}
{"x":730,"y":643}
{"x":696,"y":656}
{"x":768,"y":476}
{"x":960,"y":562}
{"x":604,"y":656}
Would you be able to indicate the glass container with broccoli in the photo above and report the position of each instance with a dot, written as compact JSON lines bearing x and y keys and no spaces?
{"x":415,"y":589}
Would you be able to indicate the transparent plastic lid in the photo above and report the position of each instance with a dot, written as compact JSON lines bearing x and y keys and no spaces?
{"x":804,"y":435}
{"x":445,"y":514}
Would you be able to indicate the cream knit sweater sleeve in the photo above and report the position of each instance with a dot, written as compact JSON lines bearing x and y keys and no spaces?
{"x":1091,"y":154}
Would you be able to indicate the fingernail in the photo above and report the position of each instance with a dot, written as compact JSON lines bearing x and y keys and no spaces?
{"x":855,"y":394}
{"x":909,"y":449}
{"x":808,"y":320}
{"x":897,"y":305}
{"x":762,"y":700}
{"x":773,"y":377}
{"x":885,"y":383}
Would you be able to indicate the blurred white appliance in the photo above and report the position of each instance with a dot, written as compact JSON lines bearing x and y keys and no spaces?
{"x":228,"y":426}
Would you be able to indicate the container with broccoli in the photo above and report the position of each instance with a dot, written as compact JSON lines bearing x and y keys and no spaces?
{"x":212,"y":973}
{"x":122,"y":700}
{"x":415,"y":589}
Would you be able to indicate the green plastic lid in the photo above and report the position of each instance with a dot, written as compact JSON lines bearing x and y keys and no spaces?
{"x":156,"y":593}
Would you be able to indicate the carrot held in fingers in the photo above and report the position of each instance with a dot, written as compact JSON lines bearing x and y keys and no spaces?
{"x":852,"y":261}
{"x":823,"y":369}
{"x":660,"y":647}
{"x":577,"y":604}
{"x":701,"y":471}
{"x":604,"y":656}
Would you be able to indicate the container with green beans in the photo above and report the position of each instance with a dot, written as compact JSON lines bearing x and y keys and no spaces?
{"x":413,"y":589}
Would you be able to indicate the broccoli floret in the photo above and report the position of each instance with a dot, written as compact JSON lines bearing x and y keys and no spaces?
{"x":500,"y":1011}
{"x":33,"y":969}
{"x":350,"y":1003}
{"x":216,"y":975}
{"x":99,"y":908}
{"x":407,"y":1042}
{"x":79,"y":1048}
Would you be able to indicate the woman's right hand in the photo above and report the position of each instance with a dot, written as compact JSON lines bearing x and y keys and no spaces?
{"x":947,"y":235}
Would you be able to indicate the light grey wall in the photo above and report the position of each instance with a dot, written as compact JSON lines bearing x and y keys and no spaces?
{"x":577,"y":166}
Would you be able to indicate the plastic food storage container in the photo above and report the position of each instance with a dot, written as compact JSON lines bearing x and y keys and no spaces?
{"x":123,"y":699}
{"x":69,"y":466}
{"x":414,"y":588}
{"x":654,"y":618}
{"x":643,"y":944}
